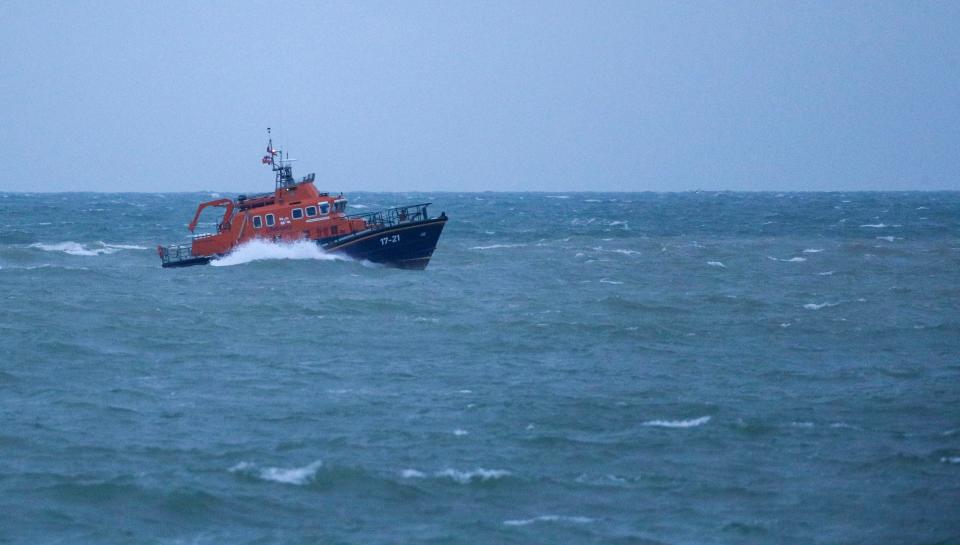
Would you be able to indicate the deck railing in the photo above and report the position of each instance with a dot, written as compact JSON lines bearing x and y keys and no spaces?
{"x":394,"y":216}
{"x":177,"y":252}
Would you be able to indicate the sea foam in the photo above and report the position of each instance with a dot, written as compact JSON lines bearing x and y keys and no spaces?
{"x":818,"y":306}
{"x":296,"y":475}
{"x":495,"y":246}
{"x":548,"y":518}
{"x":469,"y":476}
{"x":75,"y":248}
{"x":260,"y":250}
{"x":463,"y":477}
{"x":693,"y":422}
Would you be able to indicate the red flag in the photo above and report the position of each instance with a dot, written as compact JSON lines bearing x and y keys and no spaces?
{"x":267,"y":160}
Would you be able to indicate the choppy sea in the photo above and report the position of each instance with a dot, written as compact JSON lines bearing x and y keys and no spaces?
{"x":643,"y":368}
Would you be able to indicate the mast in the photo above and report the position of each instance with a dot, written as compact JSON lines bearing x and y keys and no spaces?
{"x":279,"y":163}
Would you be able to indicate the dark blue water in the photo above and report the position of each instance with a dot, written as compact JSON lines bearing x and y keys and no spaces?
{"x":587,"y":368}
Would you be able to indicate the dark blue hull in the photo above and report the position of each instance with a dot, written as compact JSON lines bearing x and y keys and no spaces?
{"x":406,"y":246}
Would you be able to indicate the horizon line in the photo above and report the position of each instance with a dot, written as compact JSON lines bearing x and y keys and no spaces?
{"x":538,"y":192}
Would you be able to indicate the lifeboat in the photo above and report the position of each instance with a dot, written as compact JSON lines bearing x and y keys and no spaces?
{"x":403,"y":236}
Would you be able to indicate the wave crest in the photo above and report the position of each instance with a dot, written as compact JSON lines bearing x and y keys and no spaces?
{"x":463,"y":477}
{"x":296,"y":475}
{"x":693,"y":422}
{"x":76,"y":248}
{"x":548,"y":518}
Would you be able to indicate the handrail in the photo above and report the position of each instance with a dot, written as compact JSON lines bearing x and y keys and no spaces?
{"x":389,"y":217}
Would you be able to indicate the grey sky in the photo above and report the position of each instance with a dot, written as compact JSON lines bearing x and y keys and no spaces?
{"x":547,"y":96}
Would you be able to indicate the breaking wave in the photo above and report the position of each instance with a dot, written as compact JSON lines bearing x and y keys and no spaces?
{"x":716,"y":264}
{"x":791,"y":260}
{"x":495,"y":246}
{"x":693,"y":422}
{"x":75,"y":248}
{"x":463,"y":477}
{"x":818,"y":306}
{"x":296,"y":475}
{"x":548,"y":518}
{"x":260,"y":250}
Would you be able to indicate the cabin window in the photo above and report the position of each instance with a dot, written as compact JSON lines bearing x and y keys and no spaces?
{"x":340,"y":205}
{"x":297,"y":213}
{"x":257,"y":222}
{"x":311,"y":211}
{"x":270,"y":221}
{"x":324,"y":208}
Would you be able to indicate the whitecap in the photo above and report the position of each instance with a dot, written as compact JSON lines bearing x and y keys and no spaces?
{"x":716,"y":264}
{"x":358,"y":206}
{"x":678,"y":423}
{"x":558,"y":196}
{"x":608,"y":281}
{"x":801,"y":424}
{"x":818,"y":306}
{"x":460,"y":433}
{"x":813,"y":250}
{"x":75,"y":248}
{"x":412,"y":474}
{"x":843,"y":426}
{"x":790,"y":260}
{"x":478,"y":474}
{"x":260,"y":250}
{"x":874,"y":225}
{"x":887,"y":238}
{"x":71,"y":248}
{"x":296,"y":475}
{"x":495,"y":246}
{"x":548,"y":518}
{"x":124,"y":246}
{"x":615,"y":250}
{"x":950,"y":459}
{"x":825,"y":273}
